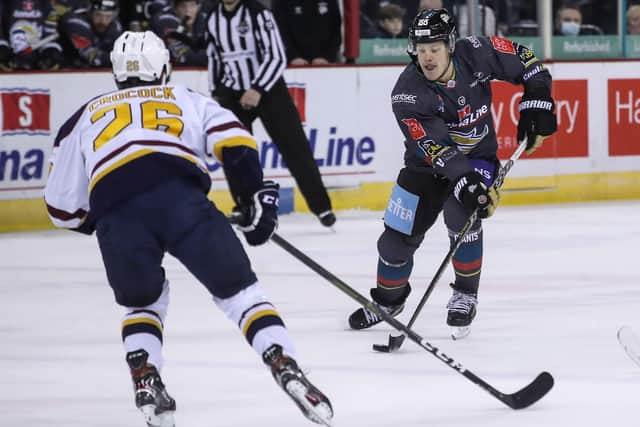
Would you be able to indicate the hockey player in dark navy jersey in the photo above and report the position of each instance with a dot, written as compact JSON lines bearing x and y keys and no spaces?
{"x":442,"y":103}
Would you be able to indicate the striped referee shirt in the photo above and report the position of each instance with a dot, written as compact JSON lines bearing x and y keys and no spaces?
{"x":245,"y":49}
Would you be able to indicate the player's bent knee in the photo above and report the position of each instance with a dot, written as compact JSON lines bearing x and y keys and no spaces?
{"x":145,"y":297}
{"x":395,"y":247}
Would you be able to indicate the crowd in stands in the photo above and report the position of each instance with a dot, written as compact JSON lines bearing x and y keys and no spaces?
{"x":382,"y":18}
{"x":53,"y":34}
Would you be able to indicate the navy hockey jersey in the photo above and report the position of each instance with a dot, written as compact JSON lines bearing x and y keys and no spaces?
{"x":435,"y":117}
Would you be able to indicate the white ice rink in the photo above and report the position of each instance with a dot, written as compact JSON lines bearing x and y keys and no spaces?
{"x":558,"y":282}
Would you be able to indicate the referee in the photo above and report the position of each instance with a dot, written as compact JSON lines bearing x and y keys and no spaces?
{"x":246,"y":63}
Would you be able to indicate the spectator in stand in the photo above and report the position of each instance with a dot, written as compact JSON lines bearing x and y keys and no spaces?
{"x":370,"y":9}
{"x":89,"y":36}
{"x":310,"y":30}
{"x":31,"y":37}
{"x":61,"y":10}
{"x":569,"y":22}
{"x":194,"y":22}
{"x":390,"y":22}
{"x":183,"y":28}
{"x":633,"y":19}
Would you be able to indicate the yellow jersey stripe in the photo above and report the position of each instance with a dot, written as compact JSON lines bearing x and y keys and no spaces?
{"x":467,"y":275}
{"x":133,"y":321}
{"x":235,"y":141}
{"x":257,"y":315}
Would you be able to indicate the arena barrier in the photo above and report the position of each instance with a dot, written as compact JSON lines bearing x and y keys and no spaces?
{"x":355,"y":139}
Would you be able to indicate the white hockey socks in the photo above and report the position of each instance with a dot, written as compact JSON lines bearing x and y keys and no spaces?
{"x":257,"y":318}
{"x":142,"y":328}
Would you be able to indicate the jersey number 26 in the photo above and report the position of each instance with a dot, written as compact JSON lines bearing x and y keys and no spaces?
{"x":148,"y":112}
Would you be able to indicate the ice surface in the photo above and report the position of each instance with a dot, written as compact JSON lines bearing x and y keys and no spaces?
{"x":558,"y":282}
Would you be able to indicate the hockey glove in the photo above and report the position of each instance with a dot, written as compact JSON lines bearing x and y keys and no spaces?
{"x":537,"y":121}
{"x":50,"y":59}
{"x":473,"y":194}
{"x":258,"y":220}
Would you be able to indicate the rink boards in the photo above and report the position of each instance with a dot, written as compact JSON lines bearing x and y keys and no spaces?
{"x":355,"y":140}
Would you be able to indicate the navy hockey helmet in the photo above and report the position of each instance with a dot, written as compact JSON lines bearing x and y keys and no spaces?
{"x":431,"y":25}
{"x":104,"y":5}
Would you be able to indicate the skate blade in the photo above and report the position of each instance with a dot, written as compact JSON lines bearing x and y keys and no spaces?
{"x":459,"y":332}
{"x":319,"y":414}
{"x":630,"y":342}
{"x":165,"y":419}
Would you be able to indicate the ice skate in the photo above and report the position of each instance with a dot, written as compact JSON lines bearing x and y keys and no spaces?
{"x":327,"y":218}
{"x":311,"y":401}
{"x":364,"y":318}
{"x":151,"y":396}
{"x":462,"y":310}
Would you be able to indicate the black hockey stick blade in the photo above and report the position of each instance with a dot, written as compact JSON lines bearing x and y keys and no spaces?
{"x":531,"y":393}
{"x":395,"y":342}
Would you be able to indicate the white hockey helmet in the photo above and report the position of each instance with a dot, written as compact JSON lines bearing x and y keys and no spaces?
{"x":140,"y":55}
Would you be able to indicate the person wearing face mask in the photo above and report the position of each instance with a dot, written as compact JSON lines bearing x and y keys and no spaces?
{"x":568,"y":21}
{"x":442,"y":104}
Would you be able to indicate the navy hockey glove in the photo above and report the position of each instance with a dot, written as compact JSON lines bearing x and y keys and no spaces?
{"x":537,"y":121}
{"x":259,"y":220}
{"x":474,"y":194}
{"x":50,"y":59}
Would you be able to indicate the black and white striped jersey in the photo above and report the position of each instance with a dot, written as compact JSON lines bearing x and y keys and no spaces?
{"x":245,"y":49}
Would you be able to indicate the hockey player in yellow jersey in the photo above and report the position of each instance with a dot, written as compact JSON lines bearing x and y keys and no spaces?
{"x":130,"y":165}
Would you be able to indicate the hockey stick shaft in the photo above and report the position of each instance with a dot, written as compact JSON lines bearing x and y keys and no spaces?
{"x":523,"y":398}
{"x":50,"y":38}
{"x":497,"y":183}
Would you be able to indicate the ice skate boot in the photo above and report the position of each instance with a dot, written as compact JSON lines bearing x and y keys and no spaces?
{"x":462,"y":310}
{"x":327,"y":218}
{"x":364,"y":318}
{"x":151,"y":396}
{"x":311,"y":401}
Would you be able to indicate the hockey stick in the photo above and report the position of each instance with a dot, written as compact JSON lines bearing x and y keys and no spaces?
{"x":518,"y":400}
{"x":395,"y":341}
{"x":50,"y":38}
{"x":630,"y":342}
